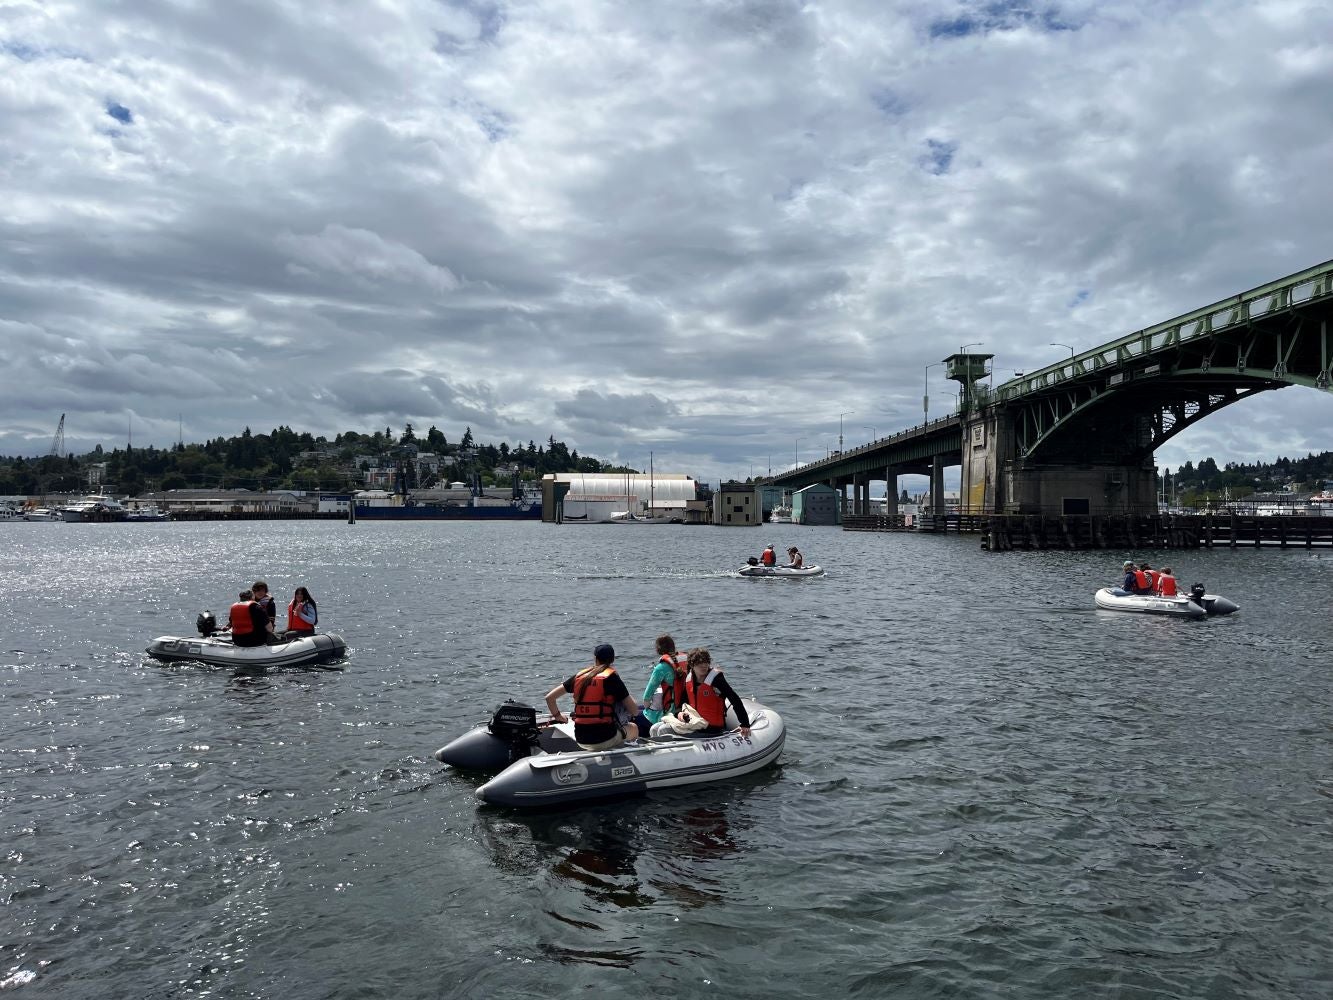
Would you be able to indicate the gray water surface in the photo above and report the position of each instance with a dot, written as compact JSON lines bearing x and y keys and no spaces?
{"x":989,"y":789}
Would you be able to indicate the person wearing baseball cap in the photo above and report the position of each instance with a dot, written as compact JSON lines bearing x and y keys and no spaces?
{"x":603,"y":706}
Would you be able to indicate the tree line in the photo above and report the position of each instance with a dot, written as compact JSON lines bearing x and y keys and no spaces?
{"x":274,"y":461}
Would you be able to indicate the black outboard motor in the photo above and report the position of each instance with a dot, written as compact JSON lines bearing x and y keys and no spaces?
{"x":206,"y":623}
{"x":1196,"y":594}
{"x":515,"y":725}
{"x":752,"y":561}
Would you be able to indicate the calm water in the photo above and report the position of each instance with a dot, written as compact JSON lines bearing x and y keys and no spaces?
{"x":990,"y":788}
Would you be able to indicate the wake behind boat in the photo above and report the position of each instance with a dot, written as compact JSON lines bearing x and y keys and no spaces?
{"x":541,"y":765}
{"x":218,"y":650}
{"x":1196,"y":604}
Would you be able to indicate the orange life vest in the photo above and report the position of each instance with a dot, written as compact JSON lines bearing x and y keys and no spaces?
{"x":1151,"y":574}
{"x":670,"y":693}
{"x":295,"y":623}
{"x":703,"y":696}
{"x":1166,"y":585}
{"x":1141,"y":583}
{"x":769,"y":557}
{"x":241,"y":622}
{"x":592,"y":702}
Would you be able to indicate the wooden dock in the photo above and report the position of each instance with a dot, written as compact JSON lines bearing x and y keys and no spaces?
{"x":1029,"y":532}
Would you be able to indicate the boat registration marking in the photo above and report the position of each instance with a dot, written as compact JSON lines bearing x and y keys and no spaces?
{"x":622,"y":772}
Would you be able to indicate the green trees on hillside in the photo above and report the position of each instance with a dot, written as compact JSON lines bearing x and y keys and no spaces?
{"x":283,"y":459}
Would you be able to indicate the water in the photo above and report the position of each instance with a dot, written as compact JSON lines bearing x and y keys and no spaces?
{"x":989,"y":789}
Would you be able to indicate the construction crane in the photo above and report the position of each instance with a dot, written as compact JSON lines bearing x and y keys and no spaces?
{"x":58,"y":442}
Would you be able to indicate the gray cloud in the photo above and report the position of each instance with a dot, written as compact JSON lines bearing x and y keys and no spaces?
{"x":702,"y":230}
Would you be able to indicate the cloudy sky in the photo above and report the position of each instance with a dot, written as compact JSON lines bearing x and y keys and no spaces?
{"x":720,"y":231}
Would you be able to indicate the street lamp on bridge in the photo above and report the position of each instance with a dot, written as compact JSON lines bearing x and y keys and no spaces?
{"x":1067,"y":348}
{"x":925,"y":397}
{"x":840,"y":416}
{"x":874,"y":434}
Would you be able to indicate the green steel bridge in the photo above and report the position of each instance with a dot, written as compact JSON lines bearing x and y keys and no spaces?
{"x":1079,"y":437}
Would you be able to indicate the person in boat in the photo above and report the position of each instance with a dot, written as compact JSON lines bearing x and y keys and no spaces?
{"x":708,"y":692}
{"x":666,"y":684}
{"x":265,"y":600}
{"x":603,"y":707}
{"x":1136,"y":581}
{"x":1150,"y":576}
{"x":302,"y":615}
{"x":249,"y":622}
{"x":769,"y":557}
{"x":794,"y":558}
{"x":1166,"y":583}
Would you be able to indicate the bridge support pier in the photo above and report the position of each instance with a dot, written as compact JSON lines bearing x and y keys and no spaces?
{"x":1093,"y":489}
{"x":937,"y":485}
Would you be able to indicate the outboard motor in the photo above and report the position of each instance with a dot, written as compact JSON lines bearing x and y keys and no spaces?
{"x":752,"y":561}
{"x":1196,"y":594}
{"x":206,"y":623}
{"x":515,"y":725}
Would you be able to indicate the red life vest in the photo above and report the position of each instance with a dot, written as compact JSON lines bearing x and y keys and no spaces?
{"x":1151,"y":574}
{"x":295,"y":623}
{"x":241,"y":622}
{"x":1166,"y":585}
{"x":592,"y":702}
{"x":1141,"y":581}
{"x":670,"y":693}
{"x":769,"y":557}
{"x":703,"y":696}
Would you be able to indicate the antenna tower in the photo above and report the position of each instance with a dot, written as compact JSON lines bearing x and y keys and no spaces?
{"x":58,"y":442}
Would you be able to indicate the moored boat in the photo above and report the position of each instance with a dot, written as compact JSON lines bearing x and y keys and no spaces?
{"x":541,"y":765}
{"x":1196,"y":604}
{"x":95,"y":507}
{"x":42,"y":514}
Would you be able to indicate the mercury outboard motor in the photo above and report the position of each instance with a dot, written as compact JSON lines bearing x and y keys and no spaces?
{"x":515,"y":725}
{"x":752,"y":561}
{"x":206,"y":623}
{"x":1196,"y":594}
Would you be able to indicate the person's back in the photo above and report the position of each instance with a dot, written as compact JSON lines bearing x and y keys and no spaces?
{"x":769,"y":558}
{"x":603,"y":708}
{"x":248,"y":621}
{"x":1166,"y":583}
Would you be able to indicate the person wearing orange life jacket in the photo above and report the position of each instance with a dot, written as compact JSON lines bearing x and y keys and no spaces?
{"x":302,"y":615}
{"x":1150,"y":576}
{"x":768,"y":557}
{"x":708,"y":692}
{"x":666,"y":684}
{"x":249,"y":622}
{"x":1166,"y":583}
{"x":1136,"y":582}
{"x":603,"y":706}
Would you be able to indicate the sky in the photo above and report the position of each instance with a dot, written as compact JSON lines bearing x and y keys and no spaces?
{"x":724,"y":234}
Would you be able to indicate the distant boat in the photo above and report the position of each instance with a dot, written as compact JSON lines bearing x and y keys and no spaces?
{"x":95,"y":507}
{"x":42,"y":514}
{"x":149,"y":513}
{"x":630,"y":517}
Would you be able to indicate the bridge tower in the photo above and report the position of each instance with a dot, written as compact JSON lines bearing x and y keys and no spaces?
{"x":979,"y":472}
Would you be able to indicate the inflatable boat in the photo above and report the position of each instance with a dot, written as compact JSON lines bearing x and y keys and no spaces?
{"x":541,"y":765}
{"x":1196,"y":604}
{"x":757,"y":570}
{"x":216,"y":648}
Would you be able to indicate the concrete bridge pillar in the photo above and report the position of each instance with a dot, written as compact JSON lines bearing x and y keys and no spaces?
{"x":890,"y":491}
{"x":937,"y":485}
